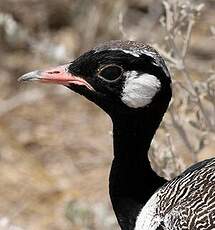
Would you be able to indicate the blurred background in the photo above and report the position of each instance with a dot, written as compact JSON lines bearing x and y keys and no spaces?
{"x":56,"y":147}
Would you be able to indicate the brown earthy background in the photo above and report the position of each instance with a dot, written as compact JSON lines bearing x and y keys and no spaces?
{"x":56,"y":147}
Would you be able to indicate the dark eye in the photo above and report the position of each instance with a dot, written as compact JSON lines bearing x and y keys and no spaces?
{"x":110,"y":72}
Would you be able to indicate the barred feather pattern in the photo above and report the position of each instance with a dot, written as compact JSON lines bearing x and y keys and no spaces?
{"x":186,"y":202}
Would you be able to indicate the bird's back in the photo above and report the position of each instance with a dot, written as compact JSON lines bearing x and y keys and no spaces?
{"x":186,"y":202}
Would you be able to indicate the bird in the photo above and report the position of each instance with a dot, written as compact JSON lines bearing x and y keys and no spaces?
{"x":130,"y":81}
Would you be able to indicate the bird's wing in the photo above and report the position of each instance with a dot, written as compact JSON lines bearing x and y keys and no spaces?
{"x":188,"y":201}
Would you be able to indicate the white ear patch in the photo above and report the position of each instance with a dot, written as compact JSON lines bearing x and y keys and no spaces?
{"x":139,"y":89}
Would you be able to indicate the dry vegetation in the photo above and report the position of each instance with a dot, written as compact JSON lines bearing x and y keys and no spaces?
{"x":56,"y":147}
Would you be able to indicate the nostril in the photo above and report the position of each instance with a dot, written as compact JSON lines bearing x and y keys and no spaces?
{"x":53,"y":72}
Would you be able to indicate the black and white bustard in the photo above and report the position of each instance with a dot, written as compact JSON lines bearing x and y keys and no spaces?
{"x":131,"y":83}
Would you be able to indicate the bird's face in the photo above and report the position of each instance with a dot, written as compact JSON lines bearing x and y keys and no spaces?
{"x":117,"y":76}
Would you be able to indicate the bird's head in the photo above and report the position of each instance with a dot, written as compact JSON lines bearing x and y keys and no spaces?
{"x":118,"y":76}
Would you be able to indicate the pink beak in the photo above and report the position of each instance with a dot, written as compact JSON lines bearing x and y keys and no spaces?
{"x":57,"y":75}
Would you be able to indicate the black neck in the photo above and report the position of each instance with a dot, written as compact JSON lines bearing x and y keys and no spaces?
{"x":132,"y":180}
